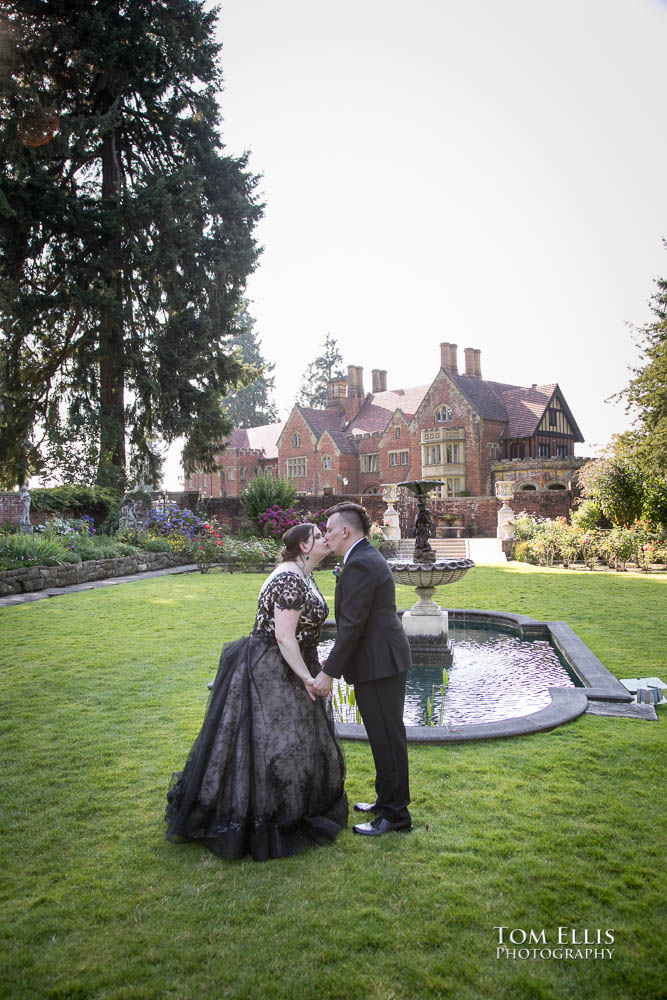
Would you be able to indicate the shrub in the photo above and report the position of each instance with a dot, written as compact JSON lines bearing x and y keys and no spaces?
{"x":171,"y":520}
{"x":181,"y":544}
{"x":376,"y":536}
{"x":274,"y":522}
{"x":263,"y":493}
{"x":207,"y":546}
{"x":318,"y":518}
{"x":590,"y":547}
{"x":156,"y":545}
{"x":101,"y":503}
{"x":102,"y":547}
{"x":524,"y":526}
{"x":256,"y":553}
{"x":571,"y":545}
{"x":32,"y":550}
{"x":587,"y":515}
{"x":521,"y":551}
{"x":617,"y":547}
{"x":645,"y":543}
{"x":67,"y":528}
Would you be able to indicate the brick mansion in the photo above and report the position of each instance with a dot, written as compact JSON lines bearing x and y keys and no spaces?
{"x":460,"y":428}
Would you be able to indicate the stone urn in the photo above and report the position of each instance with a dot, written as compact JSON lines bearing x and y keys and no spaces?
{"x":390,"y":528}
{"x":505,"y":492}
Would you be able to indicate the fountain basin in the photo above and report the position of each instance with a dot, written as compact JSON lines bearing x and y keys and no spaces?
{"x":426,"y":624}
{"x":428,"y":576}
{"x":566,"y":704}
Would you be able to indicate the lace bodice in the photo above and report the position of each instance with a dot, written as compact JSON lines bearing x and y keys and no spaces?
{"x":288,"y":589}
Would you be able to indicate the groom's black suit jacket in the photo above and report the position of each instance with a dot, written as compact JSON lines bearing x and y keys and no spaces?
{"x":370,"y":641}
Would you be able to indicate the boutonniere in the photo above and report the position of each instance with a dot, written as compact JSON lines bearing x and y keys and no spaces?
{"x":337,"y":570}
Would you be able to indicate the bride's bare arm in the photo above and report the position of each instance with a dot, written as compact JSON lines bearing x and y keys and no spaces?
{"x":285,"y":622}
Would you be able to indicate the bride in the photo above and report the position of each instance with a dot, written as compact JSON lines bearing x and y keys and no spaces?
{"x":265,"y":775}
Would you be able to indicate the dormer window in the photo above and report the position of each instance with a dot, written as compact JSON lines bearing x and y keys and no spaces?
{"x":397,"y":432}
{"x":296,"y":440}
{"x":443,"y":414}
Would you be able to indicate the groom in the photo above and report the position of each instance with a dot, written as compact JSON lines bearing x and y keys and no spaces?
{"x":372,"y":652}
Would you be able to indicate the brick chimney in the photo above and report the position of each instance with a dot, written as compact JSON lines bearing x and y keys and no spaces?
{"x":473,"y":367}
{"x":355,"y":391}
{"x":379,"y":380}
{"x":448,"y":358}
{"x":336,"y":394}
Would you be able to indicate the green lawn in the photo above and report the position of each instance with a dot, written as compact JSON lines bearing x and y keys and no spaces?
{"x":102,"y":694}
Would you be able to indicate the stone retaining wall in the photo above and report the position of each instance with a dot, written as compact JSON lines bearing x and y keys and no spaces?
{"x":20,"y":581}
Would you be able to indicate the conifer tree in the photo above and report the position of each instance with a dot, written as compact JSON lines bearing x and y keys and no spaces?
{"x":125,"y":232}
{"x":313,"y":390}
{"x":252,"y":405}
{"x":646,"y":394}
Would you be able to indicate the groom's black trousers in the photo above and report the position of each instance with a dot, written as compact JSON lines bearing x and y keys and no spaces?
{"x":381,"y":706}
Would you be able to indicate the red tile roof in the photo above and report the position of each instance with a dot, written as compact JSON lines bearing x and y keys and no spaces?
{"x":379,"y":407}
{"x":320,"y":420}
{"x":525,"y":409}
{"x":263,"y":438}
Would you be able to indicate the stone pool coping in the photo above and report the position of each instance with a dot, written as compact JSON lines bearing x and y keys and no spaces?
{"x":567,"y":704}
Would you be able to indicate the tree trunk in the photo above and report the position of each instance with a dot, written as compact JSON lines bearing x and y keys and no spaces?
{"x":111,"y":465}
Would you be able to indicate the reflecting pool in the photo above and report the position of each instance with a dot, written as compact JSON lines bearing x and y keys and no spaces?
{"x":495,"y":675}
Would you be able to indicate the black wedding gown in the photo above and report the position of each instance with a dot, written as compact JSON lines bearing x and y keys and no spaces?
{"x":265,"y":775}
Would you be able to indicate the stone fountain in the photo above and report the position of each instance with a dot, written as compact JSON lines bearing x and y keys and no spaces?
{"x":426,"y":624}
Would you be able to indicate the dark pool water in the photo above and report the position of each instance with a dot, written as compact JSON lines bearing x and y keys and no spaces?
{"x":494,"y":676}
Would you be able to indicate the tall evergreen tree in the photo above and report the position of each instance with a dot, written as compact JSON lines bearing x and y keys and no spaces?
{"x":630,"y":480}
{"x":646,"y":394}
{"x":125,"y":232}
{"x":313,"y":389}
{"x":252,"y":405}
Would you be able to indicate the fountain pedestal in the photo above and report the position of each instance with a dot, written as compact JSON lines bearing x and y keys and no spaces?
{"x":428,"y":635}
{"x":426,"y":624}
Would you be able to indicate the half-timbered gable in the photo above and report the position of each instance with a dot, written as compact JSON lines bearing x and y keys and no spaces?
{"x":540,"y":424}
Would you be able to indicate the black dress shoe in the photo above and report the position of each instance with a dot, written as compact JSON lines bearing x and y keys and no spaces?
{"x":381,"y":825}
{"x":367,"y":807}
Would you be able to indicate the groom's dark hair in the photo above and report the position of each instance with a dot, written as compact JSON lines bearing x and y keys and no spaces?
{"x":353,"y":514}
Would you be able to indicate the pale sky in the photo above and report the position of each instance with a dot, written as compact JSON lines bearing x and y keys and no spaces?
{"x":475,"y":171}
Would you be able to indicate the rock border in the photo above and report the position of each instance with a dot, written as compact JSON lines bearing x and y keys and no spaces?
{"x":35,"y":578}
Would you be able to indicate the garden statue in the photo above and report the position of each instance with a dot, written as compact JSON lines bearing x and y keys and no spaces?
{"x":129,"y":515}
{"x":25,"y":527}
{"x":426,"y":624}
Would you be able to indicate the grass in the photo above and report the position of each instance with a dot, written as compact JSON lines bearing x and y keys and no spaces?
{"x":102,"y":694}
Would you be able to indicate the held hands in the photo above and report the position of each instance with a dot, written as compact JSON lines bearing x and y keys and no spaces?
{"x":322,"y":685}
{"x":308,"y":684}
